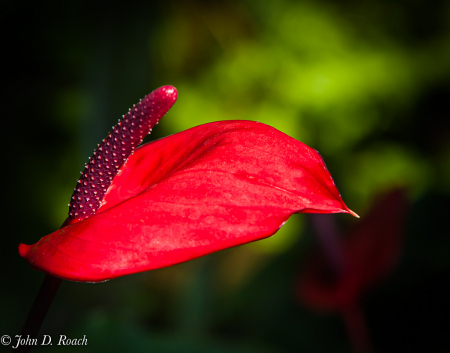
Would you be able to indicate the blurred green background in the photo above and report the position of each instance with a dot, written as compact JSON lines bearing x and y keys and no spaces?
{"x":366,"y":83}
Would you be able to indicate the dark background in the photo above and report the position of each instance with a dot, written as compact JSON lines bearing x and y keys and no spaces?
{"x":367,"y":83}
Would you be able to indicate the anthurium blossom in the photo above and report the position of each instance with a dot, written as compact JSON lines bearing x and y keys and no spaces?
{"x":370,"y":251}
{"x":202,"y":190}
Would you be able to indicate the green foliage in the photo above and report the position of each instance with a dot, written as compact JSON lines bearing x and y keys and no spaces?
{"x":365,"y":83}
{"x":309,"y":71}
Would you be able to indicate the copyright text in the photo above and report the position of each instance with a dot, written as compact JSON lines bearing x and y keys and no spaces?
{"x":45,"y":340}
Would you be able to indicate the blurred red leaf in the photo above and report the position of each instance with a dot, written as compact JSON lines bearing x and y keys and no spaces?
{"x":205,"y":189}
{"x":370,"y":251}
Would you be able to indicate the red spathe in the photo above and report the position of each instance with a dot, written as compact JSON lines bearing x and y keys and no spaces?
{"x":202,"y":190}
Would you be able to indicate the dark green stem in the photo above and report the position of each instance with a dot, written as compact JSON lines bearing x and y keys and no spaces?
{"x":39,"y":310}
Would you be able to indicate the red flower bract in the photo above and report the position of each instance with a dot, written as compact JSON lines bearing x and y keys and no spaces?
{"x":205,"y":189}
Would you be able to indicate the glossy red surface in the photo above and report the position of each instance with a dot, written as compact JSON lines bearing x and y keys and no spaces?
{"x":205,"y":189}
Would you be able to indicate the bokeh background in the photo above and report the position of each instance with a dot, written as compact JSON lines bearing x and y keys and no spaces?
{"x":367,"y":83}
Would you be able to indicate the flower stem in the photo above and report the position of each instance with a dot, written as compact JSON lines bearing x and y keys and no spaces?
{"x":327,"y":233}
{"x":39,"y":310}
{"x":353,"y":315}
{"x":357,"y":328}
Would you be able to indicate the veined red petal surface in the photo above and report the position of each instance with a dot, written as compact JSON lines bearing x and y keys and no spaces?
{"x":205,"y":189}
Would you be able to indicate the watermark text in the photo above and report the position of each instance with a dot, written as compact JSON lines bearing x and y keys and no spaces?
{"x":44,"y":340}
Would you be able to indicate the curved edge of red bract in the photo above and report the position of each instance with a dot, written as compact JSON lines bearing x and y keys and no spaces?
{"x":202,"y":190}
{"x":78,"y":270}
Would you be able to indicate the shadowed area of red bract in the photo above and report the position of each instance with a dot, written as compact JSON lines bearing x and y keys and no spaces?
{"x":205,"y":189}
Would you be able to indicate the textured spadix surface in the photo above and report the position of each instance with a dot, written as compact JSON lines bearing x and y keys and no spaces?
{"x":205,"y":189}
{"x":115,"y":149}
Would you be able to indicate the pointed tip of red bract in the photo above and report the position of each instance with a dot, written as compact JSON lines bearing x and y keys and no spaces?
{"x":202,"y":190}
{"x":354,"y":214}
